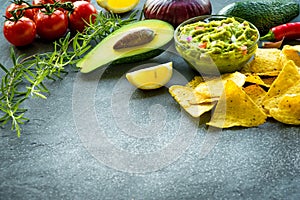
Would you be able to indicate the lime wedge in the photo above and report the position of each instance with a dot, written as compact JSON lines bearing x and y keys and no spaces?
{"x":152,"y":77}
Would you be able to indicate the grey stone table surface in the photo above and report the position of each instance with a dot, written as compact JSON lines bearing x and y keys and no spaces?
{"x":97,"y":137}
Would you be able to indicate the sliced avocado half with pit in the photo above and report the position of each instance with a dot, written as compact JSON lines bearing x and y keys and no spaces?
{"x":104,"y":53}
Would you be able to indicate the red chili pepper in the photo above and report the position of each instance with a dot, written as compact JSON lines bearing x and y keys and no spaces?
{"x":288,"y":31}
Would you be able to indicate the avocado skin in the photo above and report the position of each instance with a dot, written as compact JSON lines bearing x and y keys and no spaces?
{"x":264,"y":14}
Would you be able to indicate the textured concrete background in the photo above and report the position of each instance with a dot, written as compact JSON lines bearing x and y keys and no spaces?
{"x":143,"y":146}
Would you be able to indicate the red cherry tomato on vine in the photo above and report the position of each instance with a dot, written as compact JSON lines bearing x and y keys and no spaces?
{"x":13,"y":6}
{"x":81,"y":16}
{"x":38,"y":2}
{"x":51,"y":26}
{"x":21,"y":32}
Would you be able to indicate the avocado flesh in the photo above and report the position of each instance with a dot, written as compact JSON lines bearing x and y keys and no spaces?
{"x":103,"y":53}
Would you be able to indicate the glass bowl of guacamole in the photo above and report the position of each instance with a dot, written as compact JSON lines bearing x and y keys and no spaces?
{"x":214,"y":44}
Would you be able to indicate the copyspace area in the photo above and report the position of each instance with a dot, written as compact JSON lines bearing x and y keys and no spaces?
{"x":97,"y":137}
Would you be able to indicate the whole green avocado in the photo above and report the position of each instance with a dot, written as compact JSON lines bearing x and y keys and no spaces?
{"x":264,"y":14}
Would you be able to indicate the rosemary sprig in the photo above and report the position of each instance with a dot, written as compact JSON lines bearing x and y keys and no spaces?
{"x":26,"y":78}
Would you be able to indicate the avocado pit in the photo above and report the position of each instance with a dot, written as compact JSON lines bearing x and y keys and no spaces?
{"x":136,"y":37}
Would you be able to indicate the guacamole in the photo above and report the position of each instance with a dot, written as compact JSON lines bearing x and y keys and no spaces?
{"x":223,"y":42}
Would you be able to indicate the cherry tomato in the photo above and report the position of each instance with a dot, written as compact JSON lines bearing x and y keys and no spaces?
{"x":13,"y":6}
{"x":81,"y":16}
{"x":39,"y":2}
{"x":51,"y":26}
{"x":21,"y":32}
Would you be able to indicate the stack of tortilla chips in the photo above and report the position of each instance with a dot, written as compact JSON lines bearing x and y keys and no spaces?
{"x":268,"y":86}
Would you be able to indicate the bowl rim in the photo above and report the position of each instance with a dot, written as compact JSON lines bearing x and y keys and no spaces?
{"x":203,"y":17}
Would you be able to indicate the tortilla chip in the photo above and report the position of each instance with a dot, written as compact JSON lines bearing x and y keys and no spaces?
{"x":286,"y":107}
{"x":256,"y":93}
{"x":236,"y":108}
{"x":288,"y":110}
{"x":213,"y":88}
{"x":291,"y":53}
{"x":268,"y":80}
{"x":286,"y":79}
{"x":250,"y":78}
{"x":292,"y":91}
{"x":195,"y":82}
{"x":199,"y":109}
{"x":187,"y":100}
{"x":200,"y":79}
{"x":266,"y":62}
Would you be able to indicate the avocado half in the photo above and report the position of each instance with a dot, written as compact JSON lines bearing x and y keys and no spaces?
{"x":103,"y":53}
